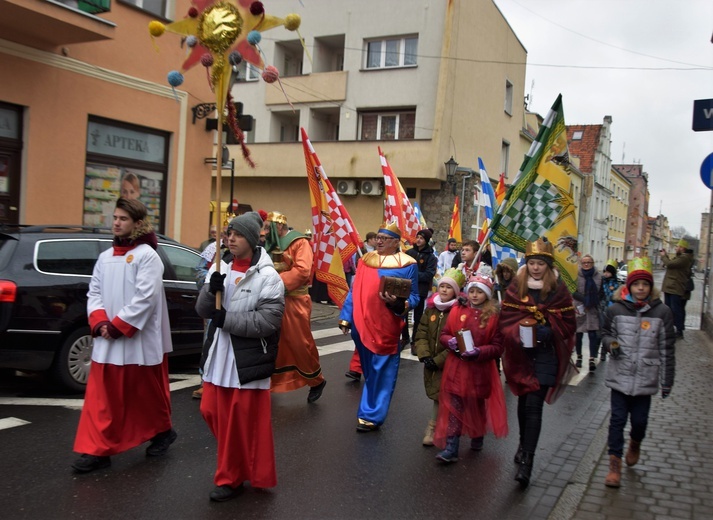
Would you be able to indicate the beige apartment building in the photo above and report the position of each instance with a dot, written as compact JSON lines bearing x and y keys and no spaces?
{"x":620,"y":187}
{"x":425,"y":80}
{"x":85,"y":108}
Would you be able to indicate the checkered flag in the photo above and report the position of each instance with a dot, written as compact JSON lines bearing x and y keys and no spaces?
{"x":539,"y":202}
{"x":397,"y":207}
{"x":335,"y":238}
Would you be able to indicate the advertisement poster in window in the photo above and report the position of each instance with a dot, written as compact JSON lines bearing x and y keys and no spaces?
{"x":103,"y":184}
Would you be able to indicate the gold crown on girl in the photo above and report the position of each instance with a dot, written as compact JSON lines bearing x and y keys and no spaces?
{"x":540,"y":247}
{"x":277,"y":218}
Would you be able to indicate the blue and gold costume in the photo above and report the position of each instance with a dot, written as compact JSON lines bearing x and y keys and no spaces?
{"x":376,"y":328}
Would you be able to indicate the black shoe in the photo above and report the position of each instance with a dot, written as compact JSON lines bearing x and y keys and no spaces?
{"x":87,"y":463}
{"x":578,"y":364}
{"x":316,"y":392}
{"x":679,"y":335}
{"x":160,"y":443}
{"x":413,"y":349}
{"x":364,"y":426}
{"x":524,"y":471}
{"x":351,"y":374}
{"x":592,"y":365}
{"x":518,"y":454}
{"x":476,"y":444}
{"x":603,"y":356}
{"x":223,"y":493}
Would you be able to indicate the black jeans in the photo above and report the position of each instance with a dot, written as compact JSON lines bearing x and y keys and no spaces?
{"x":593,"y":343}
{"x":418,"y":312}
{"x":676,"y":304}
{"x":529,"y":418}
{"x":635,"y":407}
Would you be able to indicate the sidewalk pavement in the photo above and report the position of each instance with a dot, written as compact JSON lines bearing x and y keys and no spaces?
{"x":674,"y":477}
{"x":323,"y":311}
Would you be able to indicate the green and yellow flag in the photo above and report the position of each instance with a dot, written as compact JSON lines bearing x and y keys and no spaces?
{"x":539,"y":202}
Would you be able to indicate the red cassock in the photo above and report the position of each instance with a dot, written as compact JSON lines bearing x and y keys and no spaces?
{"x":124,"y":406}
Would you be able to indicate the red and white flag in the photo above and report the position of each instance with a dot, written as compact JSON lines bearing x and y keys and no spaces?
{"x":335,"y":238}
{"x":397,"y":207}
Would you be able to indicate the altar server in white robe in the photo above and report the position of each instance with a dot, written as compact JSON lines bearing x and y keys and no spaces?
{"x":127,"y":399}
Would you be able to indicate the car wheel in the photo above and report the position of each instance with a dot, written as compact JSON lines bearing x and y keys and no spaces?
{"x":71,"y":367}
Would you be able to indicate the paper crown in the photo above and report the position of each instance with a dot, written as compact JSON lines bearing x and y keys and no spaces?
{"x":639,"y":264}
{"x":612,"y":263}
{"x":456,"y":275}
{"x":540,"y":247}
{"x":227,"y":219}
{"x":682,"y":243}
{"x":391,"y":228}
{"x":276,"y":217}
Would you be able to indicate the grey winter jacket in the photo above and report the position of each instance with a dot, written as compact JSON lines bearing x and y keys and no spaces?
{"x":646,"y":338}
{"x":253,"y":318}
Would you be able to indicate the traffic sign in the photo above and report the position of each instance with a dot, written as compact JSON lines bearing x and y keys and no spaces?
{"x":707,"y":171}
{"x":702,"y":115}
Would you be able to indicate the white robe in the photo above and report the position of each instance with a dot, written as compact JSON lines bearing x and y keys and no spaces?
{"x":131,"y":287}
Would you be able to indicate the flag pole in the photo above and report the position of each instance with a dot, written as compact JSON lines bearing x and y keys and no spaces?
{"x":217,"y":218}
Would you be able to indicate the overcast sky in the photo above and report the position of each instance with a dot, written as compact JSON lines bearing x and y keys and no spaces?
{"x":643,"y":62}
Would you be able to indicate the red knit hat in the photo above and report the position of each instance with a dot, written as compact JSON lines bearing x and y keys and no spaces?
{"x":639,"y":269}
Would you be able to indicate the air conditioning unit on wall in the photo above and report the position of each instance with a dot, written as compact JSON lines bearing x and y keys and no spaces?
{"x":371,"y":188}
{"x":347,"y":187}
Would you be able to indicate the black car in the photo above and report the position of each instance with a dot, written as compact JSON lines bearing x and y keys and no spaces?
{"x":44,"y":277}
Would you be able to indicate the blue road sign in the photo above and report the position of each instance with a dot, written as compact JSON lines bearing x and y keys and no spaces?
{"x":702,"y":115}
{"x":707,"y":171}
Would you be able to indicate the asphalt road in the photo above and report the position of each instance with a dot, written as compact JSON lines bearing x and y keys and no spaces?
{"x":325,"y":469}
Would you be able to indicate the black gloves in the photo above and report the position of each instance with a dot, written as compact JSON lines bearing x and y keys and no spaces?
{"x":543,"y":333}
{"x":398,"y":307}
{"x":218,"y":316}
{"x":215,"y":284}
{"x":429,"y":363}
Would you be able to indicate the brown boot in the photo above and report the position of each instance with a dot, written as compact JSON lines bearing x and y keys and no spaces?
{"x":632,"y":454}
{"x":614,"y":476}
{"x":428,"y":436}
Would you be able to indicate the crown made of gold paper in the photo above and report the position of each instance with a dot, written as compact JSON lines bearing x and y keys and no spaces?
{"x":612,"y":263}
{"x":228,"y":218}
{"x":276,"y":217}
{"x":391,"y":228}
{"x":640,"y":264}
{"x":540,"y":247}
{"x":456,"y":275}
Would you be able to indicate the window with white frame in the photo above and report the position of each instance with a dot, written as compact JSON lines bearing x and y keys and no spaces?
{"x":248,"y":72}
{"x":505,"y":158}
{"x":391,"y":52}
{"x":387,"y":126}
{"x":157,"y":7}
{"x":508,"y":97}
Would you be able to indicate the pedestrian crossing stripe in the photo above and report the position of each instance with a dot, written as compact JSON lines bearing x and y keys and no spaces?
{"x":11,"y":422}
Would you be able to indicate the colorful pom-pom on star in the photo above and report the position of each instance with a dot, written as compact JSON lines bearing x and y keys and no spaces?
{"x":191,"y":41}
{"x":292,"y":22}
{"x":254,"y":37}
{"x":270,"y":74}
{"x":235,"y":58}
{"x":193,"y":12}
{"x":156,"y":29}
{"x":175,"y":78}
{"x":207,"y":60}
{"x":256,"y":8}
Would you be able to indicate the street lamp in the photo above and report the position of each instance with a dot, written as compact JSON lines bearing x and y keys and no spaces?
{"x":451,"y":167}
